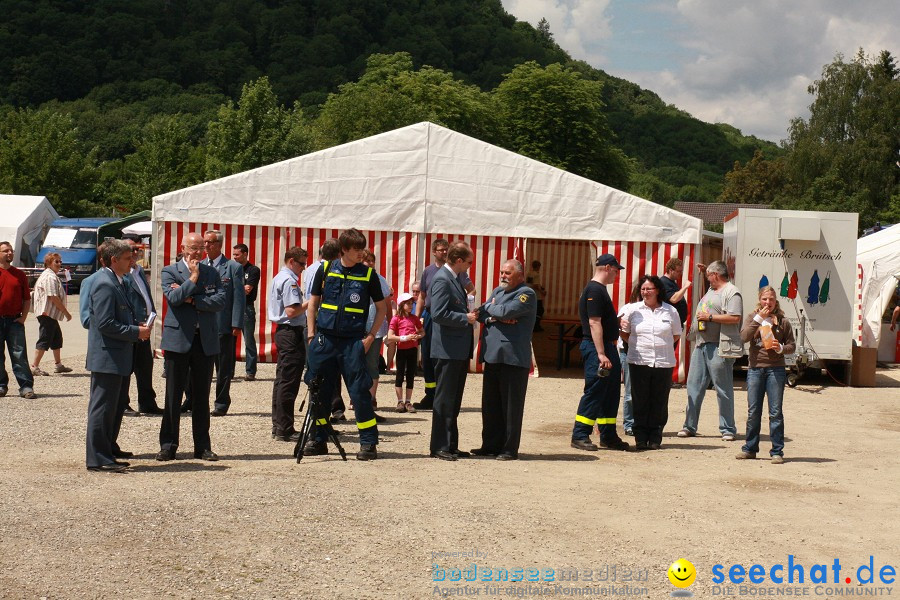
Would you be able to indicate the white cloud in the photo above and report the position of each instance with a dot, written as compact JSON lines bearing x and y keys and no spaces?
{"x":746,"y":64}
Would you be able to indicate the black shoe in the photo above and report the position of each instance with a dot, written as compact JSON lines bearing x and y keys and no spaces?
{"x":462,"y":454}
{"x":206,"y":455}
{"x":250,"y":377}
{"x":168,"y":454}
{"x":426,"y":404}
{"x":130,"y":412}
{"x":290,"y":437}
{"x":444,"y":455}
{"x":122,"y":454}
{"x":315,"y":449}
{"x":585,"y":444}
{"x":367,"y":452}
{"x":507,"y":456}
{"x":642,"y":445}
{"x":615,"y":444}
{"x":110,"y":468}
{"x":122,"y":463}
{"x":655,"y":446}
{"x":153,"y":410}
{"x":217,"y":412}
{"x":186,"y":408}
{"x":483,"y":452}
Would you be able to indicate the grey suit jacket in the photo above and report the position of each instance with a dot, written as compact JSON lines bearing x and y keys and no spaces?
{"x":504,"y":343}
{"x":84,"y":299}
{"x":135,"y":297}
{"x":451,"y":334}
{"x":183,"y":318}
{"x":111,"y":328}
{"x":232,"y":315}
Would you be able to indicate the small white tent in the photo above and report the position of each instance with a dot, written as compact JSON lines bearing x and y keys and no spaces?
{"x":24,"y":224}
{"x":878,"y":255}
{"x":406,"y":187}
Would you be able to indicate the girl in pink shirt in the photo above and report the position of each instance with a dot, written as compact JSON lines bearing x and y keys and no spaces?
{"x":406,"y":330}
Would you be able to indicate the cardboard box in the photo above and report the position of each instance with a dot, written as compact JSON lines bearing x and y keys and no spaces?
{"x":862,"y":373}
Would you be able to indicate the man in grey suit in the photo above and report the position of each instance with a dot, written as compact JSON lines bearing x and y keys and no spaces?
{"x":230,"y":319}
{"x":112,"y":334}
{"x":451,"y":349}
{"x":190,"y":340}
{"x":508,"y":317}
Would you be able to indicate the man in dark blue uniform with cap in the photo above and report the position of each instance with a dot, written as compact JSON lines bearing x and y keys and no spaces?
{"x":338,"y":339}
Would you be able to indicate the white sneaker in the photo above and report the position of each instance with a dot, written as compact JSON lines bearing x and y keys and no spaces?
{"x":727,"y":437}
{"x":685,"y":433}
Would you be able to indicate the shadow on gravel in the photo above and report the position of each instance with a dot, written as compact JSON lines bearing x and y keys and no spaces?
{"x":807,"y":459}
{"x":176,"y":467}
{"x":568,"y":457}
{"x":669,"y":446}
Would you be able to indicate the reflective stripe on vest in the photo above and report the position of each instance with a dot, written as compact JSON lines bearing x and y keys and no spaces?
{"x":344,"y":302}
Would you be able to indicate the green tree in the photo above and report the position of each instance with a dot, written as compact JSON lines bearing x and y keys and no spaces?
{"x":392,"y":94}
{"x":256,"y":132}
{"x":165,"y":160}
{"x":843,"y":157}
{"x":554,"y":115}
{"x":42,"y":155}
{"x":757,"y":182}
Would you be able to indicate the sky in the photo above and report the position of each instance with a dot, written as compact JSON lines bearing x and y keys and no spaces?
{"x":747,"y":64}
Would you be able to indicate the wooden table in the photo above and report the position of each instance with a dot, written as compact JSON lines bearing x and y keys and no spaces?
{"x":568,"y":336}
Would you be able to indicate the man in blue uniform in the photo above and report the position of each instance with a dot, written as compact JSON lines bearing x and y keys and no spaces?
{"x":508,"y":317}
{"x":287,"y":310}
{"x":240,"y":253}
{"x":602,"y":369}
{"x":338,"y":339}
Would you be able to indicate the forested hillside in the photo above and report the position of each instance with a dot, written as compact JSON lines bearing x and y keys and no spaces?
{"x":139,"y":86}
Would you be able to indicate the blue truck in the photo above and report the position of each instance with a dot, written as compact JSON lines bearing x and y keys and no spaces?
{"x":76,"y":241}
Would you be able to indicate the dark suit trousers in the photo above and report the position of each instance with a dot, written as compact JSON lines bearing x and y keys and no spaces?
{"x":179,"y":367}
{"x":143,"y":374}
{"x":106,"y":395}
{"x":650,"y":401}
{"x":121,"y":405}
{"x":502,"y":406}
{"x":224,"y":371}
{"x":451,"y":381}
{"x":291,"y":359}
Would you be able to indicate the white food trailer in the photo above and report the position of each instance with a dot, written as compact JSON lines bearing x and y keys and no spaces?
{"x":809,"y":258}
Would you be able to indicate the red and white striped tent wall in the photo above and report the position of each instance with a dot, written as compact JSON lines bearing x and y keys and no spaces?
{"x":406,"y":187}
{"x":397,"y":255}
{"x":566,"y":266}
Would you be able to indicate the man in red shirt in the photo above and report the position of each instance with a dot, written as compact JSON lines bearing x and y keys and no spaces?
{"x":14,"y":301}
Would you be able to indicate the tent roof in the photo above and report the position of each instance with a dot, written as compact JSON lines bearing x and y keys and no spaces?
{"x":879,"y":256}
{"x":430,"y":179}
{"x":17,"y":208}
{"x":880,"y":245}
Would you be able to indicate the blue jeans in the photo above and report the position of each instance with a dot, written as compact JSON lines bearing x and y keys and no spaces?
{"x":12,"y":338}
{"x":627,"y":407}
{"x":765,"y":381}
{"x":706,"y":366}
{"x":600,"y":403}
{"x":250,"y":358}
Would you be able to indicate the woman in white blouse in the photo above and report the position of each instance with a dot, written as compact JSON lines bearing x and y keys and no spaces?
{"x":651,"y":330}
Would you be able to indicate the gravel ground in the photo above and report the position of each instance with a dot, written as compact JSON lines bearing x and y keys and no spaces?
{"x":258,"y":525}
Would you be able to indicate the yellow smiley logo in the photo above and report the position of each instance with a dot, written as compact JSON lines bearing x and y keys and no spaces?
{"x":682,"y":573}
{"x":523,"y":298}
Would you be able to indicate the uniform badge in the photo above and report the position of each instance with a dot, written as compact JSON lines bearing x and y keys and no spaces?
{"x":354,"y":297}
{"x":523,"y":298}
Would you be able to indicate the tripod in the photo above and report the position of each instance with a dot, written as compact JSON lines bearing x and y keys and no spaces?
{"x":316,"y":406}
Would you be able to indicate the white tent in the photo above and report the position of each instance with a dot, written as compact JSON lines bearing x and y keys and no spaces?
{"x":879,"y":256}
{"x":141,"y":228}
{"x":426,"y":178}
{"x":24,"y":224}
{"x":404,"y":188}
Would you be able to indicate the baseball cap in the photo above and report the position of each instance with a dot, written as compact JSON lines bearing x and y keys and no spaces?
{"x":608,"y":259}
{"x":403,"y":297}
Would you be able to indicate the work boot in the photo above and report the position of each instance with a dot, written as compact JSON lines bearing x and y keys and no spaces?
{"x":314,"y":448}
{"x":584,"y":444}
{"x":367,"y":452}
